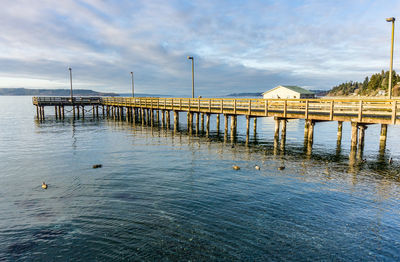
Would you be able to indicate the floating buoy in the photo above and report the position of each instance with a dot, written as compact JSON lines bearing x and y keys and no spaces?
{"x":257,"y":167}
{"x":97,"y":166}
{"x":44,"y":185}
{"x":281,"y":167}
{"x":236,"y":167}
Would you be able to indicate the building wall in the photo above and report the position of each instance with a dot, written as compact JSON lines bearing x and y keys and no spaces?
{"x":281,"y":93}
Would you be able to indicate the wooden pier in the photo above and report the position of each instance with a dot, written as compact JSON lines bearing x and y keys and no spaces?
{"x":147,"y":110}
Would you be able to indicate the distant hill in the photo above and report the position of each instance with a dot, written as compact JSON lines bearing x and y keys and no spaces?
{"x":51,"y":92}
{"x":245,"y":94}
{"x":376,"y":85}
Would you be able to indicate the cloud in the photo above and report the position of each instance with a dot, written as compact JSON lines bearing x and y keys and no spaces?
{"x":237,"y":45}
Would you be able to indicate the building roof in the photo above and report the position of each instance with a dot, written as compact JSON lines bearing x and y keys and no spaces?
{"x":293,"y":88}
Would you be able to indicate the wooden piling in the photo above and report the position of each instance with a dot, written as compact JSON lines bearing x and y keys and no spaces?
{"x":361,"y":135}
{"x":339,"y":132}
{"x":167,"y":118}
{"x":59,"y":112}
{"x":283,"y":134}
{"x":207,"y":124}
{"x":255,"y":126}
{"x":354,"y":136}
{"x":233,"y":127}
{"x":310,"y":138}
{"x":247,"y":127}
{"x":176,"y":121}
{"x":217,"y":123}
{"x":97,"y":111}
{"x":277,"y":123}
{"x":62,"y":112}
{"x":162,"y":118}
{"x":37,"y":113}
{"x":56,"y":112}
{"x":77,"y":112}
{"x":83,"y":112}
{"x":93,"y":113}
{"x":197,"y":122}
{"x":202,"y":122}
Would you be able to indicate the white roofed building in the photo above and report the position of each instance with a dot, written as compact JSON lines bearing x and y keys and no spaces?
{"x":288,"y":92}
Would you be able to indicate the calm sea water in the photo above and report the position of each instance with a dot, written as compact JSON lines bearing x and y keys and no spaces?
{"x":168,"y":196}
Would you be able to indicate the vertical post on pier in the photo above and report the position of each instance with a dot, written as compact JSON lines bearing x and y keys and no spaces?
{"x":162,"y":118}
{"x":207,"y":124}
{"x":176,"y":121}
{"x":62,"y":112}
{"x":93,"y":113}
{"x":56,"y":112}
{"x":217,"y":123}
{"x":73,"y":111}
{"x":247,"y":128}
{"x":37,"y":112}
{"x":83,"y":112}
{"x":103,"y":111}
{"x":382,"y":138}
{"x":339,"y":133}
{"x":142,"y":115}
{"x":202,"y":122}
{"x":361,"y":135}
{"x":190,"y":123}
{"x":255,"y":126}
{"x":167,"y":119}
{"x":277,"y":123}
{"x":77,"y":111}
{"x":59,"y":112}
{"x":283,"y":134}
{"x":197,"y":122}
{"x":97,"y":111}
{"x":305,"y":131}
{"x":354,"y":136}
{"x":226,"y":127}
{"x":310,"y":138}
{"x":233,"y":128}
{"x":158,"y":117}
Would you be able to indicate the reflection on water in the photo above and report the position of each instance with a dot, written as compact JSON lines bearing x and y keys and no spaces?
{"x":171,"y":195}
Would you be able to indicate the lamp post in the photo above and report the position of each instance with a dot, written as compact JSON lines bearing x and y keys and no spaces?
{"x":391,"y":19}
{"x":191,"y":58}
{"x":70,"y":80}
{"x":133,"y":89}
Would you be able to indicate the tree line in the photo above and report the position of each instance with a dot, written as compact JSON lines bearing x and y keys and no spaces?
{"x":376,"y":85}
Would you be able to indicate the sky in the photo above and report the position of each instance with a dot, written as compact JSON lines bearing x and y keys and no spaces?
{"x":237,"y":45}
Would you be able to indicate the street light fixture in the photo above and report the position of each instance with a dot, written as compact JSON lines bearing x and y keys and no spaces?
{"x":133,"y":90}
{"x":191,"y":58}
{"x":70,"y":80}
{"x":391,"y":19}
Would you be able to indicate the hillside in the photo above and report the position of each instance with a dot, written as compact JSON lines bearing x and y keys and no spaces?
{"x":376,"y":85}
{"x":50,"y":92}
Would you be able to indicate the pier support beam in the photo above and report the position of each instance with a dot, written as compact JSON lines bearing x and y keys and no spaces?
{"x":383,"y":138}
{"x":283,"y":134}
{"x":233,"y":127}
{"x":247,"y":128}
{"x":83,"y":112}
{"x":167,"y":118}
{"x":202,"y":122}
{"x":339,"y":133}
{"x":255,"y":127}
{"x":361,"y":136}
{"x":62,"y":112}
{"x":226,"y":119}
{"x":217,"y":124}
{"x":207,"y":124}
{"x":56,"y":112}
{"x":354,"y":136}
{"x":176,"y":121}
{"x":310,"y":138}
{"x":197,"y":123}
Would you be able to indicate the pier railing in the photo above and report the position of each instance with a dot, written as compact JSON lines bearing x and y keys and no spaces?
{"x":65,"y":101}
{"x":355,"y":110}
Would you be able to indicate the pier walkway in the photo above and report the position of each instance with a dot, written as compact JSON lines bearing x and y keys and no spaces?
{"x":360,"y":112}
